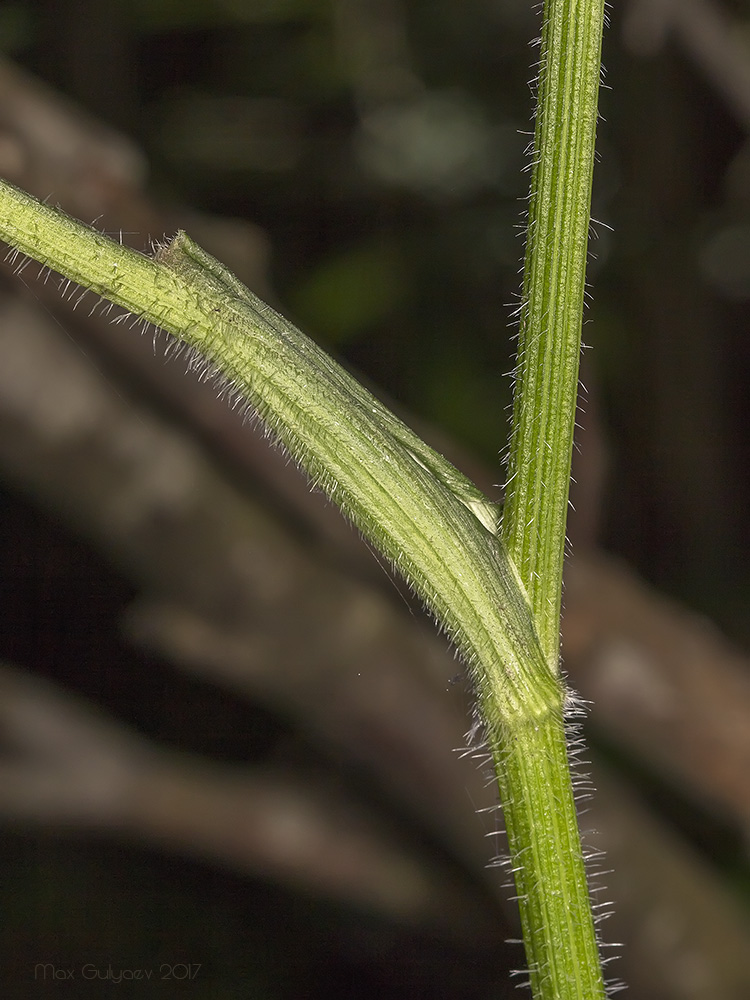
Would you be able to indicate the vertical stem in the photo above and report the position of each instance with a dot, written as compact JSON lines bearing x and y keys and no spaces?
{"x":533,"y":525}
{"x":559,"y":937}
{"x":531,"y":760}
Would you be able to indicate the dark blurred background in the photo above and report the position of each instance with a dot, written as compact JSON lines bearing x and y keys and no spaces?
{"x":363,"y":163}
{"x":381,"y":147}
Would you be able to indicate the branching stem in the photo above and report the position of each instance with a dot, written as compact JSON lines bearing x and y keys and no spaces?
{"x":495,"y":591}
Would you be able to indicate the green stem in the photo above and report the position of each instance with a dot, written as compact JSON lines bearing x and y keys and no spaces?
{"x":534,"y":516}
{"x":434,"y":524}
{"x":531,"y":764}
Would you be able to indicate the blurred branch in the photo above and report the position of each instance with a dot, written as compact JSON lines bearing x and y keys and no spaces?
{"x":685,"y":933}
{"x":69,"y":766}
{"x":148,"y":498}
{"x":667,"y":686}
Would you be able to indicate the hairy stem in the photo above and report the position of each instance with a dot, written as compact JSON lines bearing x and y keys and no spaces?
{"x":432,"y":522}
{"x":420,"y":511}
{"x":534,"y":515}
{"x":559,"y":933}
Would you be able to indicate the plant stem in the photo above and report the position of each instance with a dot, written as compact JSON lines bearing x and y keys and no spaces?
{"x":435,"y":525}
{"x":409,"y":501}
{"x":534,"y":515}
